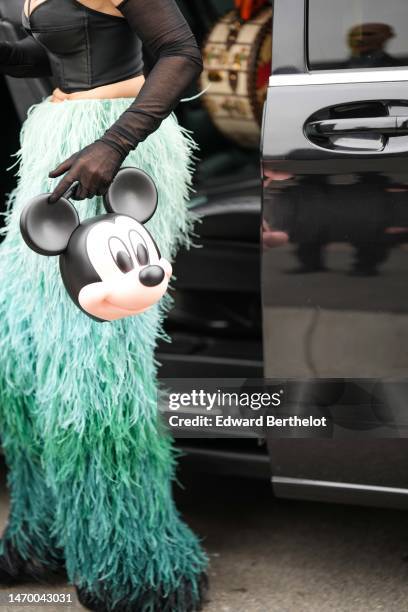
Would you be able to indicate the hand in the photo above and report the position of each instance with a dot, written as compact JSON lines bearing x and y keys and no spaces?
{"x":94,"y":167}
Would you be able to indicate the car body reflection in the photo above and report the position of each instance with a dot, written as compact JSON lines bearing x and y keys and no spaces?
{"x":335,"y":264}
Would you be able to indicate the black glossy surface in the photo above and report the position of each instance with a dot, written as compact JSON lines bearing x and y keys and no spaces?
{"x":133,"y":193}
{"x":335,"y":258}
{"x":47,"y":228}
{"x":151,"y":276}
{"x":335,"y":261}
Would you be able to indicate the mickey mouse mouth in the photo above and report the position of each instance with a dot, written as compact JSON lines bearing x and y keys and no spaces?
{"x":125,"y":311}
{"x":121,"y":296}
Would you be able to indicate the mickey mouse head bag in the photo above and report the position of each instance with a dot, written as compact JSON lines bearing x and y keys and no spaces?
{"x":110,"y":264}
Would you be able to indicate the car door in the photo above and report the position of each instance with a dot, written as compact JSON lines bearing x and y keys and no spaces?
{"x":335,"y":245}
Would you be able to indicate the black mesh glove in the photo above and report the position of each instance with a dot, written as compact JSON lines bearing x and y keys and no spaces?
{"x":94,"y":167}
{"x":164,"y":31}
{"x":24,"y":58}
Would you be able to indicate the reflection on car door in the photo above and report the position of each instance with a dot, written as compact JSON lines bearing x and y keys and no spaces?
{"x":335,"y":233}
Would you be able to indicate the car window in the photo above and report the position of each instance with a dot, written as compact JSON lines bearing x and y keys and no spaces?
{"x":353,"y":34}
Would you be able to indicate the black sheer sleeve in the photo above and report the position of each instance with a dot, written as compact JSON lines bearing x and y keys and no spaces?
{"x":164,"y":31}
{"x":24,"y":58}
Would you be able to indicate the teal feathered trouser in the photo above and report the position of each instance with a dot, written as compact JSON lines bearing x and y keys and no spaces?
{"x":89,"y":471}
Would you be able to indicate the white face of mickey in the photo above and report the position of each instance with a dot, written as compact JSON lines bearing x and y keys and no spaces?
{"x":133,"y":274}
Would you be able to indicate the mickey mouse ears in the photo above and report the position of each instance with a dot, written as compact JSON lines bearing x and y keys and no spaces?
{"x":132,"y":193}
{"x":47,"y":228}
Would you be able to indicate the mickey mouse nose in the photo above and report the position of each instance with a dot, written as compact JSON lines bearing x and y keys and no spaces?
{"x":151,"y":276}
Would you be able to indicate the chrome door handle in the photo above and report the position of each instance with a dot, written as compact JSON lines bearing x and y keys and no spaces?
{"x":392,"y":126}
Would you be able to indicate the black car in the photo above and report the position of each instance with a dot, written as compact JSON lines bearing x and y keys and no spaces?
{"x":320,"y":303}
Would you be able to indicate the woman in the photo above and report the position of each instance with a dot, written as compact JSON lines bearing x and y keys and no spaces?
{"x":89,"y":472}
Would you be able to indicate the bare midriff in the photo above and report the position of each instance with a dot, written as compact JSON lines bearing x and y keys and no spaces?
{"x":124,"y":89}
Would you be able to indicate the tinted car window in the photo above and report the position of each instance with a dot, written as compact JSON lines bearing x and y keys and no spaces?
{"x":358,"y":34}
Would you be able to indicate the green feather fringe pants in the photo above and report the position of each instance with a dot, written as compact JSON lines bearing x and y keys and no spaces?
{"x":90,"y":472}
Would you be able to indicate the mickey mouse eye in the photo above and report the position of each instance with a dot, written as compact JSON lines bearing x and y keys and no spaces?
{"x":121,"y":255}
{"x":142,"y":254}
{"x":124,"y":262}
{"x":140,"y":248}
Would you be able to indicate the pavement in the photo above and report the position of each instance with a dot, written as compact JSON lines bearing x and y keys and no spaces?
{"x":271,"y":555}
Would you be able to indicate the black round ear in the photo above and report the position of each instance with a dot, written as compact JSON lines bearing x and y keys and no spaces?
{"x":132,"y":193}
{"x":47,"y":228}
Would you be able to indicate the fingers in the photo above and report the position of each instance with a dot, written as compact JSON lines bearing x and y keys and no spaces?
{"x":90,"y":190}
{"x":61,"y":188}
{"x":102,"y":188}
{"x":81,"y":193}
{"x":93,"y":172}
{"x":62,"y":168}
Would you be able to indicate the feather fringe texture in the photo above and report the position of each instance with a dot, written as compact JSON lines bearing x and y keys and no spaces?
{"x":90,"y":470}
